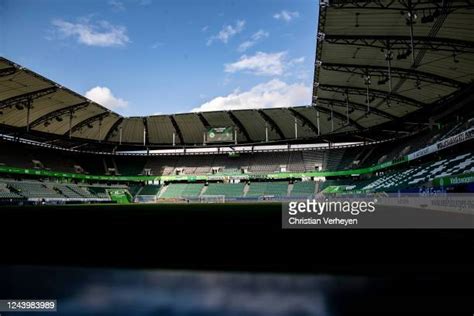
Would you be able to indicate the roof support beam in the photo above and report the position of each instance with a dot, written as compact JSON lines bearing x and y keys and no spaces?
{"x":358,"y":106}
{"x":145,"y":131}
{"x":114,"y":128}
{"x":59,"y":113}
{"x":375,"y":93}
{"x":395,"y":72}
{"x":177,"y":129}
{"x":402,"y":42}
{"x":305,"y":120}
{"x":240,"y":126}
{"x":88,"y":121}
{"x":203,"y":120}
{"x":7,"y":71}
{"x":272,"y":123}
{"x":340,"y":116}
{"x":398,"y":5}
{"x":26,"y":98}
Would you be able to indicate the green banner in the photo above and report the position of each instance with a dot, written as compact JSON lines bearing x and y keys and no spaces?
{"x":454,"y":180}
{"x":120,"y":196}
{"x":220,"y":134}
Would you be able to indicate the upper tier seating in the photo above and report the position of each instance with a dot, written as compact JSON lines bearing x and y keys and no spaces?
{"x":266,"y":163}
{"x":24,"y":156}
{"x":130,"y":167}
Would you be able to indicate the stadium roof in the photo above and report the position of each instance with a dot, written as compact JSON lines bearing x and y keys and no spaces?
{"x":31,"y":102}
{"x":378,"y":61}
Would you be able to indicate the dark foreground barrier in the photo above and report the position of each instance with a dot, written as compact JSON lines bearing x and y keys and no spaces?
{"x":216,"y":236}
{"x":417,"y":271}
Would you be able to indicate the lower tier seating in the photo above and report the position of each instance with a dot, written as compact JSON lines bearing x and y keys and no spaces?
{"x":303,"y":189}
{"x":182,"y":190}
{"x":226,"y":189}
{"x":267,"y":188}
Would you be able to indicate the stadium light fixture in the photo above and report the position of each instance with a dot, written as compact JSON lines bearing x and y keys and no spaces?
{"x":418,"y":84}
{"x":404,"y":55}
{"x":367,"y":83}
{"x":347,"y":108}
{"x":454,"y":58}
{"x":382,"y":81}
{"x":389,"y":58}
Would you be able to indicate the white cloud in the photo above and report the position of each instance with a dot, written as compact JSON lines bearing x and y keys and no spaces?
{"x":286,"y":16}
{"x":157,"y":44}
{"x":105,"y":97}
{"x":102,"y":33}
{"x":145,"y":2}
{"x":274,"y":93}
{"x":205,"y":28}
{"x":262,"y":64}
{"x":254,"y":39}
{"x":117,"y":5}
{"x":227,"y":32}
{"x":299,"y":60}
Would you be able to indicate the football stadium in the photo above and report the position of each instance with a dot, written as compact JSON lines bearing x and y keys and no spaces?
{"x":391,"y":112}
{"x":186,"y":213}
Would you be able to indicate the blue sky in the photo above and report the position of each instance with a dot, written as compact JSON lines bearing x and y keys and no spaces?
{"x":143,"y":57}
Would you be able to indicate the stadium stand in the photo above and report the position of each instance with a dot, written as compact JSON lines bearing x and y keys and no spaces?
{"x":333,"y":159}
{"x":34,"y":189}
{"x":258,"y":163}
{"x":229,"y":190}
{"x":277,"y":189}
{"x":181,"y":190}
{"x":303,"y":189}
{"x":100,"y":192}
{"x":406,"y":177}
{"x":296,"y":162}
{"x":144,"y":194}
{"x":5,"y":193}
{"x":134,"y":189}
{"x":82,"y":191}
{"x":313,"y":159}
{"x":420,"y":175}
{"x":374,"y":128}
{"x":149,"y":190}
{"x":66,"y":191}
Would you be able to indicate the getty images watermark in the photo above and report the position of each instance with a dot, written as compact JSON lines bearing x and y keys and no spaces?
{"x":330,"y":213}
{"x":381,"y":211}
